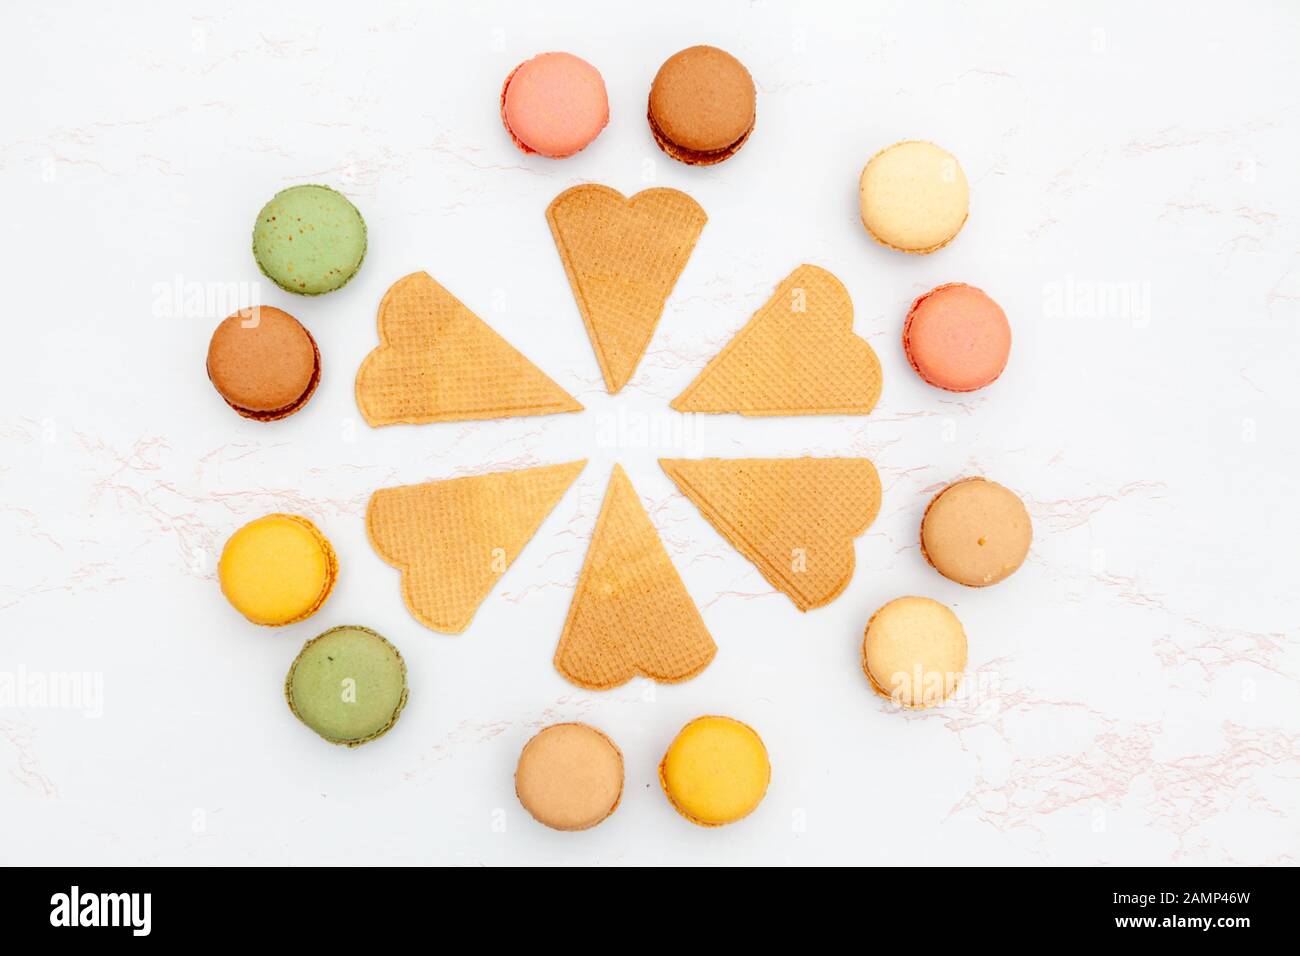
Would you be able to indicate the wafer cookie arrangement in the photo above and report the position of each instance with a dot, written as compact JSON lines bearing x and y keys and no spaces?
{"x":798,"y":520}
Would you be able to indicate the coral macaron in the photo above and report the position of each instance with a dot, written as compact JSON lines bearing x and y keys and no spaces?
{"x":957,"y":338}
{"x":554,"y":104}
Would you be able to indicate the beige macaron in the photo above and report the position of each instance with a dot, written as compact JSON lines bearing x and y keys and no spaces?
{"x":914,"y":197}
{"x":914,"y":652}
{"x":976,"y":532}
{"x":570,"y":776}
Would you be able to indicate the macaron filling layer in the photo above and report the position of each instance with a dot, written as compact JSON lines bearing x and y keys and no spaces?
{"x":348,"y":685}
{"x":716,"y":771}
{"x":309,"y":240}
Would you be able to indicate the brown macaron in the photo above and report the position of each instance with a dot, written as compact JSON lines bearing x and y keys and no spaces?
{"x":702,"y":106}
{"x":976,"y":532}
{"x":264,"y":363}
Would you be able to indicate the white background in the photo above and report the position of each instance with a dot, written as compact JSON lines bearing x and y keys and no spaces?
{"x":1137,"y":678}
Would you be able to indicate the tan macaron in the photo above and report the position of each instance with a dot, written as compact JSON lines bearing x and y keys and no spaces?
{"x":976,"y":532}
{"x":702,"y":106}
{"x":914,"y":652}
{"x":264,"y":363}
{"x":913,"y":197}
{"x":570,"y":776}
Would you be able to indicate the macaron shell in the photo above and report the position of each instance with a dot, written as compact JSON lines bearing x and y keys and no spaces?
{"x":348,"y":685}
{"x":957,"y":338}
{"x":570,"y":776}
{"x":914,"y":652}
{"x":702,"y":105}
{"x":309,"y":240}
{"x":554,"y":104}
{"x":913,"y":197}
{"x":277,"y":570}
{"x":716,"y":771}
{"x":976,"y":532}
{"x":263,"y":363}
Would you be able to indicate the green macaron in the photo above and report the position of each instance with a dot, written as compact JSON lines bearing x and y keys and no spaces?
{"x":348,"y":685}
{"x":309,"y":240}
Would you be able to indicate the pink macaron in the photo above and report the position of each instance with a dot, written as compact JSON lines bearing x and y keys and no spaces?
{"x":554,"y":104}
{"x":957,"y":338}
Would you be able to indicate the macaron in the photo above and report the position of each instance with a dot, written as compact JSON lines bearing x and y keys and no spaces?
{"x":347,"y":684}
{"x":914,"y":197}
{"x":957,"y":338}
{"x":976,"y":532}
{"x":702,"y":106}
{"x":914,"y":652}
{"x":569,"y":776}
{"x":554,"y":105}
{"x":716,"y":771}
{"x":309,"y":240}
{"x":277,"y":570}
{"x":264,"y":363}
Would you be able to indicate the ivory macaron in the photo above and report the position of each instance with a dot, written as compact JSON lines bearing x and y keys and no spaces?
{"x":913,"y":197}
{"x":914,"y":652}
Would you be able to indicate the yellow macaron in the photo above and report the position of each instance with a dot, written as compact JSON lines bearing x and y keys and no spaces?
{"x":914,"y":652}
{"x":914,"y":197}
{"x":277,"y":570}
{"x":716,"y":771}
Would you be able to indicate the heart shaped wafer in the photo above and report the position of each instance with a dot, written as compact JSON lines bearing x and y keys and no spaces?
{"x":623,"y":257}
{"x":631,"y":613}
{"x":453,"y":539}
{"x":794,"y":518}
{"x":439,"y":362}
{"x":798,"y":355}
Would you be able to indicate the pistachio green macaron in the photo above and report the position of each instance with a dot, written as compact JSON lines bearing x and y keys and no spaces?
{"x":309,"y":240}
{"x":348,"y":685}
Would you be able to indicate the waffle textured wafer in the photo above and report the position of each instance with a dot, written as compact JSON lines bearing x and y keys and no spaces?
{"x":453,"y":539}
{"x":630,"y":613}
{"x":623,"y":257}
{"x":439,"y":362}
{"x":797,"y":356}
{"x":794,"y":518}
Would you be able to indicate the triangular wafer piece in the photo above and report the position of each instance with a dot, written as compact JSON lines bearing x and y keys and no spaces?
{"x":439,"y":362}
{"x":630,"y":613}
{"x":452,"y":540}
{"x":623,"y":257}
{"x":794,"y":518}
{"x":797,"y":356}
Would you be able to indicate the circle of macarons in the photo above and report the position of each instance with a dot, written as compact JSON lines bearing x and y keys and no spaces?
{"x":347,"y":684}
{"x":957,"y":338}
{"x":264,"y":363}
{"x":914,"y":197}
{"x":976,"y":532}
{"x":914,"y":652}
{"x":309,"y":240}
{"x":702,"y":106}
{"x":554,"y":104}
{"x":716,"y":771}
{"x":569,"y":776}
{"x":278,"y":569}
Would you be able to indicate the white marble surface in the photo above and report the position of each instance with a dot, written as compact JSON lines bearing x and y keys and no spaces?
{"x":1134,"y":209}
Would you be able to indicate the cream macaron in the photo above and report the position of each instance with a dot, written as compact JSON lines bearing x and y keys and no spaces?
{"x":914,"y":197}
{"x":914,"y":652}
